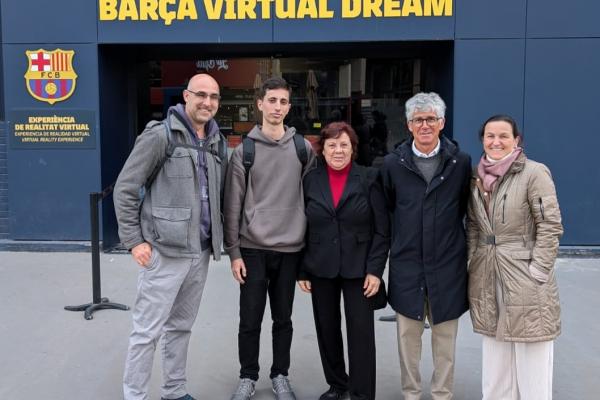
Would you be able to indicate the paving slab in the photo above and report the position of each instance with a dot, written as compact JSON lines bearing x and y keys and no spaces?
{"x":53,"y":354}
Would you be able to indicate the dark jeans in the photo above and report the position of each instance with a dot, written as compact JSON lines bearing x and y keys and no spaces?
{"x":326,"y":299}
{"x":274,"y":273}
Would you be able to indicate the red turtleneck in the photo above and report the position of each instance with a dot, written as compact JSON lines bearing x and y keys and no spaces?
{"x":337,"y":182}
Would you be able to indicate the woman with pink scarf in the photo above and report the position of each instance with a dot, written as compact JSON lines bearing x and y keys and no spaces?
{"x":513,"y":230}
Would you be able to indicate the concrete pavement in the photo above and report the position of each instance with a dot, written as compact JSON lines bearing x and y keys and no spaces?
{"x":49,"y":353}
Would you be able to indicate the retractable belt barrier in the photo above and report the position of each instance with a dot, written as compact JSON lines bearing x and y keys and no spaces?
{"x":98,"y":302}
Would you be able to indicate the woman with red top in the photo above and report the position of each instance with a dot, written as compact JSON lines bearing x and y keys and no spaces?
{"x":343,"y":256}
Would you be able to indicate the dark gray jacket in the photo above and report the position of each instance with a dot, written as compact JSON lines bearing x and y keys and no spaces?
{"x":169,"y":216}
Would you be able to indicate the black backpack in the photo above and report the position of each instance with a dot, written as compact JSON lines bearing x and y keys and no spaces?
{"x":248,"y":151}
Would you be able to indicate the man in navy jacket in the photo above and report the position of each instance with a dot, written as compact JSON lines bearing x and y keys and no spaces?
{"x":426,"y":181}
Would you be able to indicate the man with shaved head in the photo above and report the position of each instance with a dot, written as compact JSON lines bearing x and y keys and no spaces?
{"x":171,"y":231}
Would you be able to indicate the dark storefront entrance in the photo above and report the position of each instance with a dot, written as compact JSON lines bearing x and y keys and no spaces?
{"x":507,"y":57}
{"x":363,"y":84}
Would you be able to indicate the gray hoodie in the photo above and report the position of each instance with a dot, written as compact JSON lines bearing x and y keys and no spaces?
{"x":272,"y":215}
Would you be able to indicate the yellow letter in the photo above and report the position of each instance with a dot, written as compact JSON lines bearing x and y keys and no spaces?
{"x":281,"y":12}
{"x":108,"y":10}
{"x":324,"y":12}
{"x":213,"y":11}
{"x":391,"y":8}
{"x":351,"y":8}
{"x":230,"y":9}
{"x":148,"y":10}
{"x":307,"y":8}
{"x":165,"y":14}
{"x":246,"y":9}
{"x":440,"y":8}
{"x":265,"y":9}
{"x":372,"y":7}
{"x":412,"y":6}
{"x":128,"y":10}
{"x":187,"y":8}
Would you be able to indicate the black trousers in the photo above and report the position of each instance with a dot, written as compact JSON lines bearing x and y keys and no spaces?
{"x":326,"y":293}
{"x":273,"y":273}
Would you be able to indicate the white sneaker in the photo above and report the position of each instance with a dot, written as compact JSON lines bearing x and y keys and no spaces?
{"x":282,"y":388}
{"x":245,"y":389}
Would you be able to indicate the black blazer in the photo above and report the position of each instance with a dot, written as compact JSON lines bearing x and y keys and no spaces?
{"x":343,"y":241}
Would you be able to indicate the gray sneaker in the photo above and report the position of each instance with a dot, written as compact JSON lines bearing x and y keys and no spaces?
{"x":245,"y":389}
{"x":282,"y":388}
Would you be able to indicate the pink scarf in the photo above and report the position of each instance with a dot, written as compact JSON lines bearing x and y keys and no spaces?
{"x":490,"y":172}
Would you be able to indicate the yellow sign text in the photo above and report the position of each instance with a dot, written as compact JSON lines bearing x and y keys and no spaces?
{"x":143,"y":10}
{"x":179,"y":10}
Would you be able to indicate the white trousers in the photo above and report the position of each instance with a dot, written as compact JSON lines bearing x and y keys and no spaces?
{"x":166,"y":305}
{"x":516,"y":371}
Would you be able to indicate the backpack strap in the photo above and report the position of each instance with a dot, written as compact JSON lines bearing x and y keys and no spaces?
{"x":222,"y":147}
{"x":168,"y":153}
{"x":248,"y":151}
{"x":222,"y":159}
{"x":300,"y":149}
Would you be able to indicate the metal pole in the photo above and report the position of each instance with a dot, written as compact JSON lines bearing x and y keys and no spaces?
{"x":96,"y":291}
{"x":98,"y":303}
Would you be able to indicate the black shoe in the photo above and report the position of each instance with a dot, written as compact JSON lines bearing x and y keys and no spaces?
{"x":186,"y":397}
{"x":333,"y":394}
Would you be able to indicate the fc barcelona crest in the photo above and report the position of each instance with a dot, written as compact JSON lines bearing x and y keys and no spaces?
{"x":50,"y":76}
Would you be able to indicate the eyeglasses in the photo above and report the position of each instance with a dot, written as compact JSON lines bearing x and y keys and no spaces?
{"x":214,"y":97}
{"x":431,"y":121}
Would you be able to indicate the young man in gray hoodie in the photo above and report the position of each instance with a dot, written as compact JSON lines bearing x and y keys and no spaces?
{"x":264,"y":234}
{"x":171,"y":232}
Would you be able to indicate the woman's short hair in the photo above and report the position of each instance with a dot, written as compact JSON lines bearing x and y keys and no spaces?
{"x":425,"y":102}
{"x":334,"y":130}
{"x":504,"y":118}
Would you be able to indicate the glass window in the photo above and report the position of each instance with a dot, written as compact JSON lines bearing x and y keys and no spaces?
{"x":368,"y":93}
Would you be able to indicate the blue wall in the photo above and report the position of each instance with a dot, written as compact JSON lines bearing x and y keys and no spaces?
{"x":57,"y":21}
{"x":48,"y":188}
{"x":488,"y":80}
{"x":48,"y":196}
{"x":536,"y":60}
{"x":561,"y":102}
{"x":4,"y":232}
{"x":4,"y":225}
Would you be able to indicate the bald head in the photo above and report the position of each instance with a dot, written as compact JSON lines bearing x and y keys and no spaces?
{"x":199,"y":79}
{"x":201,"y":100}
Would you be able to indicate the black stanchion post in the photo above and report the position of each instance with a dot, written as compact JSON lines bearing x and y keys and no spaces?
{"x":98,"y":302}
{"x":95,"y":236}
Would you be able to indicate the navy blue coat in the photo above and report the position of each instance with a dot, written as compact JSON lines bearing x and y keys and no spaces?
{"x":428,"y":254}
